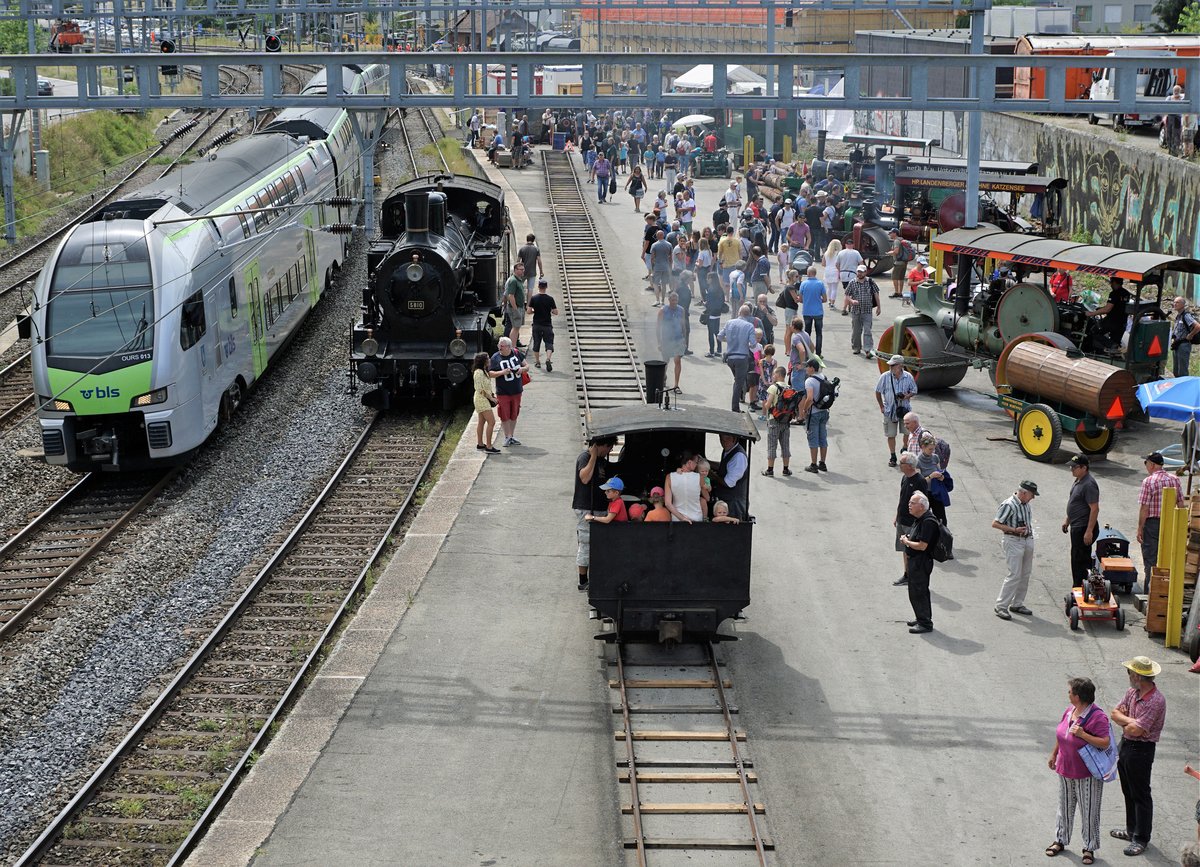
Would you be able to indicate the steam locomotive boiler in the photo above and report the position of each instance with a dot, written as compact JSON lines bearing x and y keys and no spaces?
{"x":432,"y":298}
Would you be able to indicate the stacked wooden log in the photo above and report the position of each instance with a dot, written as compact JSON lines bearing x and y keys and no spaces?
{"x":771,"y":183}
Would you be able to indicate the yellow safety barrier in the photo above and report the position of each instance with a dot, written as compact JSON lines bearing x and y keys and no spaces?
{"x":1172,"y":551}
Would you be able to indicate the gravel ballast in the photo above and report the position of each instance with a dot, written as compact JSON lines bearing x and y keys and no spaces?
{"x":69,"y":695}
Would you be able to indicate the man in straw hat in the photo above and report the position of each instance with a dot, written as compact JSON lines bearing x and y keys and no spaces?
{"x":1140,"y":715}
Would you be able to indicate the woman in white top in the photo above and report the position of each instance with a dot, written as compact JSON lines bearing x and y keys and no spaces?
{"x":682,"y":491}
{"x":832,"y":277}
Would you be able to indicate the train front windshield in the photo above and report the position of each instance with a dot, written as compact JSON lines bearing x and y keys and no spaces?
{"x":101,"y":300}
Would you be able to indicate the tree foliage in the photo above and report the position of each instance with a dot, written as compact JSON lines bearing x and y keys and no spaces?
{"x":1189,"y":19}
{"x":14,"y":38}
{"x":1167,"y":12}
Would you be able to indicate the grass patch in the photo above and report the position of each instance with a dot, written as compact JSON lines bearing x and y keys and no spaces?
{"x":83,"y":151}
{"x":451,"y":151}
{"x":130,"y":808}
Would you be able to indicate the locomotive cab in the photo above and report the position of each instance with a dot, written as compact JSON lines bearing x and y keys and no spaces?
{"x":668,"y":581}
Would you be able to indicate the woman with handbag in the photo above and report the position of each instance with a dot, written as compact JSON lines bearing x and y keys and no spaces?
{"x":485,"y":402}
{"x":1083,"y":724}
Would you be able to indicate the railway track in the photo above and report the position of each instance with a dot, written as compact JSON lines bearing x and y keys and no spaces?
{"x":150,"y":801}
{"x":39,"y":563}
{"x":16,"y":391}
{"x":681,"y":760}
{"x":431,"y":131}
{"x":607,"y":370}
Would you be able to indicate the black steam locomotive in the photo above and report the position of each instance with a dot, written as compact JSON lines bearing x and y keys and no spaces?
{"x":432,"y":298}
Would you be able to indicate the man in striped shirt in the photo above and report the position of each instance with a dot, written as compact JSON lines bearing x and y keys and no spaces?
{"x":863,"y":297}
{"x":1150,"y":503}
{"x":1014,"y":519}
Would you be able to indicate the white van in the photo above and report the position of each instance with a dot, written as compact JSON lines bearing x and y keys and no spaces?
{"x":1153,"y":82}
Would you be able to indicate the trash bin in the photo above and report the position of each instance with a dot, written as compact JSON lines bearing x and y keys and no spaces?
{"x":656,"y":380}
{"x":560,"y":140}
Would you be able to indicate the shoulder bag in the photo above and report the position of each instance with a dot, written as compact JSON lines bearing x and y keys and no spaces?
{"x":1101,"y":764}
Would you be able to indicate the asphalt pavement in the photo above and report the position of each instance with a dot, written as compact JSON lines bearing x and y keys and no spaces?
{"x":482,"y":736}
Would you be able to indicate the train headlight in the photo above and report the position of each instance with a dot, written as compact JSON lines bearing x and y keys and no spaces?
{"x":150,"y":398}
{"x":458,"y":347}
{"x":414,"y":272}
{"x":370,"y":346}
{"x":55,"y":404}
{"x":368,"y":372}
{"x":456,"y":373}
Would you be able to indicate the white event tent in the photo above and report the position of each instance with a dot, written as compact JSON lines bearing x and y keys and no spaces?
{"x":699,"y":79}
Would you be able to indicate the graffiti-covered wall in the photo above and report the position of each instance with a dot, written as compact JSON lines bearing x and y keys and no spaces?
{"x":1124,"y":196}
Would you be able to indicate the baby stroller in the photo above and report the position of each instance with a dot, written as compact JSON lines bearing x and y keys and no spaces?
{"x":800,"y":260}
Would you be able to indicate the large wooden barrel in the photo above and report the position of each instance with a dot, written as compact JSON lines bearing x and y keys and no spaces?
{"x":1048,"y":372}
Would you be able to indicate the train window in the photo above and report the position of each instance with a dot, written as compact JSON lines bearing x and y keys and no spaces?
{"x":279,"y":192}
{"x":300,"y":179}
{"x":243,"y":220}
{"x":192,"y":325}
{"x":280,"y":298}
{"x":233,"y":305}
{"x":289,"y":184}
{"x":264,"y":201}
{"x":260,"y":217}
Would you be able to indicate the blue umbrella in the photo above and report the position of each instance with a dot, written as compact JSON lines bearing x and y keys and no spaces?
{"x":1177,"y":398}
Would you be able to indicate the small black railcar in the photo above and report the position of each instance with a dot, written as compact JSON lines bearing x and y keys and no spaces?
{"x":668,"y":581}
{"x":433,"y":292}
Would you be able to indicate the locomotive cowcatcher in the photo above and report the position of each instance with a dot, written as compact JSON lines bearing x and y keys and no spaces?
{"x":432,"y":297}
{"x":673,"y":581}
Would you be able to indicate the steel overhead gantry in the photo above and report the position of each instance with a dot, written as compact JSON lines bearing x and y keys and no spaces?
{"x":25,"y":10}
{"x":783,"y":69}
{"x":519,"y":87}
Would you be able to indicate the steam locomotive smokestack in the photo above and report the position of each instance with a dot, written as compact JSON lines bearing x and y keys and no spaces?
{"x":416,"y":211}
{"x":437,"y":213}
{"x":821,"y":134}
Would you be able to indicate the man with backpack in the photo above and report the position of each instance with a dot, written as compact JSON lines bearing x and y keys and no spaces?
{"x":819,"y":395}
{"x":919,"y":543}
{"x":902,"y":252}
{"x":780,"y":407}
{"x":1184,"y":333}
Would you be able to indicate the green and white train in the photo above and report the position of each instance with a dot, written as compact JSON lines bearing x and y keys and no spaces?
{"x":152,"y":320}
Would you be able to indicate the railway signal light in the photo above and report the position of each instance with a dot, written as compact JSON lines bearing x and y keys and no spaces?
{"x":272,"y":43}
{"x":167,"y":46}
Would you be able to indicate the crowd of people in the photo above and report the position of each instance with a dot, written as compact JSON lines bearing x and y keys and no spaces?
{"x":763,"y":279}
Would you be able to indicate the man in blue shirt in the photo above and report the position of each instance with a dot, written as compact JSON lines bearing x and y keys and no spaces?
{"x":812,"y":305}
{"x":738,"y":335}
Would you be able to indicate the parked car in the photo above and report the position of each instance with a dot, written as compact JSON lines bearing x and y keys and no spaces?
{"x":45,"y":87}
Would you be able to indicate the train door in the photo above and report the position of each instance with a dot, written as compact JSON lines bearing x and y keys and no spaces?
{"x":200,"y":327}
{"x":316,"y":280}
{"x":258,"y":335}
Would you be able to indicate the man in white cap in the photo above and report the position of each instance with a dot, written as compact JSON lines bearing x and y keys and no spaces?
{"x":862,"y":294}
{"x":1140,"y":715}
{"x":893,"y":391}
{"x":733,"y":199}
